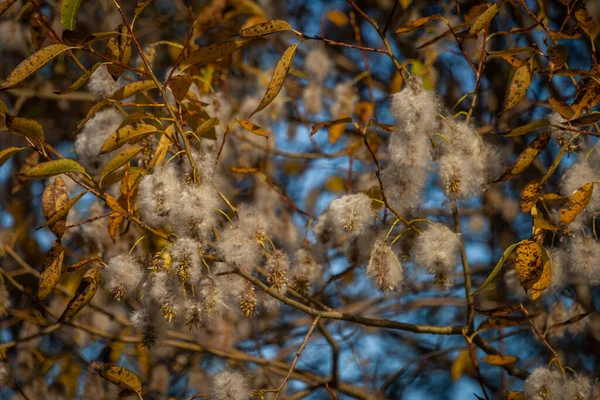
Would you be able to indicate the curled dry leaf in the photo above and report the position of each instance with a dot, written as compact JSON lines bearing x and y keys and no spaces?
{"x":527,"y":156}
{"x":61,"y":214}
{"x":118,"y":48}
{"x":51,"y":270}
{"x":281,"y":70}
{"x":528,"y":263}
{"x":545,"y":279}
{"x":83,"y":295}
{"x":54,"y":198}
{"x":576,"y":203}
{"x":416,"y":24}
{"x":114,"y":222}
{"x":122,"y":377}
{"x":503,"y":310}
{"x":587,"y":23}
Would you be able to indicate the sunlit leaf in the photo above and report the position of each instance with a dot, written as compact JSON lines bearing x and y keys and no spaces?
{"x":54,"y":198}
{"x":576,"y":203}
{"x":119,"y":160}
{"x":123,"y":378}
{"x":36,"y":61}
{"x":253,"y":128}
{"x":61,"y":214}
{"x":528,"y":263}
{"x":132,"y":88}
{"x":127,"y":134}
{"x":518,"y":86}
{"x":529,"y":196}
{"x":278,"y":78}
{"x":52,"y":168}
{"x":499,"y":359}
{"x":527,"y":157}
{"x":264,"y":28}
{"x":211,"y":53}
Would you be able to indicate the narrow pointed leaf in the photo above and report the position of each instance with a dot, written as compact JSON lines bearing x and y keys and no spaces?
{"x":119,"y":160}
{"x":499,"y":359}
{"x":278,"y":78}
{"x":63,"y":211}
{"x":52,"y":168}
{"x":127,"y":134}
{"x":123,"y":378}
{"x":527,"y":156}
{"x":83,"y":295}
{"x":81,"y":80}
{"x":497,"y":268}
{"x":68,"y":13}
{"x":576,"y":203}
{"x":416,"y":24}
{"x":265,"y":28}
{"x":132,"y":88}
{"x":36,"y":61}
{"x":253,"y":128}
{"x":211,"y":53}
{"x":485,"y":18}
{"x":6,"y":154}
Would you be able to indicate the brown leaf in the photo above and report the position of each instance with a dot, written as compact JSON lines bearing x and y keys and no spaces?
{"x":119,"y":376}
{"x":511,"y":395}
{"x":264,"y":28}
{"x":114,"y":205}
{"x":587,"y":23}
{"x":576,"y":203}
{"x":51,"y":270}
{"x":118,"y":48}
{"x":545,"y":279}
{"x":54,"y":198}
{"x":568,"y":322}
{"x":211,"y":53}
{"x":518,"y":86}
{"x":528,"y":263}
{"x":527,"y":156}
{"x":61,"y":214}
{"x":586,"y":97}
{"x":557,"y":56}
{"x":180,"y":84}
{"x":83,"y":295}
{"x":83,"y":263}
{"x":276,"y":83}
{"x":462,"y":364}
{"x":503,"y":310}
{"x":499,"y":359}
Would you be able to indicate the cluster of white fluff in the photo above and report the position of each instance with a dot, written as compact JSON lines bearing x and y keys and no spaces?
{"x":185,"y":253}
{"x":436,"y":250}
{"x":466,"y":163}
{"x":317,"y":64}
{"x":159,"y":193}
{"x":349,"y":215}
{"x":416,"y":111}
{"x":384,"y":268}
{"x":101,"y":83}
{"x":345,"y":98}
{"x":277,"y":269}
{"x":93,"y":135}
{"x":230,"y":385}
{"x":561,"y":130}
{"x":305,"y":265}
{"x":124,"y":275}
{"x":546,"y":384}
{"x":584,"y":259}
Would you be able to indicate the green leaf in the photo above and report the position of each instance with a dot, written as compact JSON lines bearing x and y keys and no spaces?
{"x":24,"y":127}
{"x":68,"y":13}
{"x":36,"y":61}
{"x":52,"y":168}
{"x":497,"y":268}
{"x":6,"y":154}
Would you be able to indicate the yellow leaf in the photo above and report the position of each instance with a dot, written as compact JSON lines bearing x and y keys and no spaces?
{"x":518,"y":86}
{"x":484,"y":19}
{"x":119,"y":376}
{"x":81,"y":80}
{"x":114,"y":205}
{"x":252,"y":127}
{"x":132,"y":88}
{"x":335,"y":184}
{"x":405,"y":4}
{"x":527,"y":156}
{"x":118,"y":48}
{"x":515,"y":395}
{"x":114,"y":222}
{"x":6,"y":154}
{"x":36,"y":61}
{"x":561,"y":107}
{"x":545,"y":279}
{"x":417,"y":23}
{"x":6,"y":5}
{"x":276,"y":83}
{"x":51,"y":270}
{"x":264,"y":28}
{"x":528,"y":263}
{"x":139,"y":7}
{"x":119,"y":160}
{"x":540,"y":222}
{"x":337,"y":17}
{"x":52,"y":168}
{"x":83,"y":295}
{"x":54,"y":198}
{"x":127,"y":185}
{"x":337,"y":128}
{"x":586,"y":97}
{"x":499,"y":359}
{"x":206,"y":129}
{"x":24,"y":127}
{"x":327,"y":124}
{"x":83,"y":263}
{"x":462,"y":364}
{"x":127,"y":134}
{"x":211,"y":53}
{"x":576,"y":203}
{"x":531,"y":194}
{"x":532,"y":126}
{"x":161,"y":151}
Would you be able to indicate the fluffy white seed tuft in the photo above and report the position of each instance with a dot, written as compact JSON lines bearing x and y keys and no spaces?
{"x":124,"y":276}
{"x":230,"y":385}
{"x":384,"y":267}
{"x":436,"y":250}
